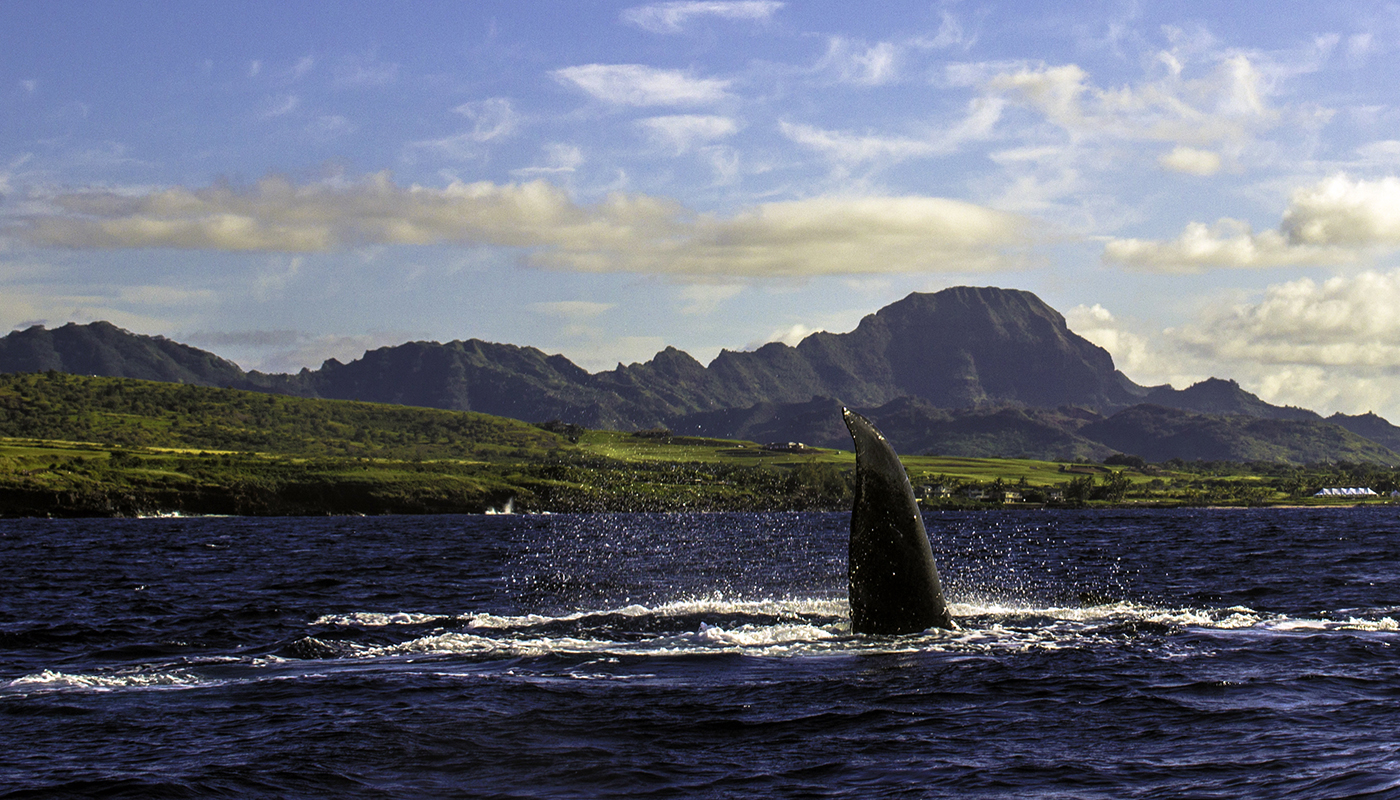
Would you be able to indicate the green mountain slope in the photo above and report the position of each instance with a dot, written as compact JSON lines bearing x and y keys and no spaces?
{"x":133,"y":413}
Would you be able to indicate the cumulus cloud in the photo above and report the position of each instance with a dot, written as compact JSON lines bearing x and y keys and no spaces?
{"x":1332,"y":345}
{"x":640,"y":85}
{"x":1343,"y":211}
{"x":1191,"y":161}
{"x":622,"y":233}
{"x":1336,"y":220}
{"x":1229,"y":243}
{"x":1328,"y":346}
{"x":1132,"y":353}
{"x":682,"y":132}
{"x":672,"y":17}
{"x":790,"y":336}
{"x":1344,"y":321}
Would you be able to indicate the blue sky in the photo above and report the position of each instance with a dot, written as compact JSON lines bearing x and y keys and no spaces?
{"x":1205,"y":189}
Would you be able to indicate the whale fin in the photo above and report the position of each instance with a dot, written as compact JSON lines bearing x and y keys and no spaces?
{"x":894,"y":584}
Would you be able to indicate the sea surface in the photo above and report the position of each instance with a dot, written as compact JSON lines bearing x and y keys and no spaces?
{"x":1102,"y":654}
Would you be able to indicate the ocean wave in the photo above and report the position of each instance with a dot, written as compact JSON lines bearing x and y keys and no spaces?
{"x":785,"y":627}
{"x":53,"y":680}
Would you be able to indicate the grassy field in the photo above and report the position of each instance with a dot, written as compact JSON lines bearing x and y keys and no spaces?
{"x":72,"y":445}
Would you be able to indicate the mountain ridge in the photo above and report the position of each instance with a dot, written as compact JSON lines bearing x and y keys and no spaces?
{"x":967,"y":370}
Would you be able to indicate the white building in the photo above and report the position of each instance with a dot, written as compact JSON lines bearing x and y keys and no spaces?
{"x":1354,"y":491}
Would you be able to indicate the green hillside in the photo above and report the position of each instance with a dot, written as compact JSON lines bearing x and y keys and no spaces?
{"x":135,"y":413}
{"x":73,"y":446}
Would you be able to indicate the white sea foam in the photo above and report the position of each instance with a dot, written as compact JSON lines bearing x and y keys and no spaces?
{"x":783,"y":609}
{"x":1289,"y":624}
{"x":800,"y":626}
{"x":372,"y":619}
{"x":54,"y":680}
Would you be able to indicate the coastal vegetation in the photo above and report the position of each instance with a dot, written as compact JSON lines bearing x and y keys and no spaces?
{"x":74,"y":445}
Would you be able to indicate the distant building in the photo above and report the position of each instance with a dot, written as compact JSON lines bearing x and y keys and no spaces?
{"x":786,"y":447}
{"x":1351,"y":491}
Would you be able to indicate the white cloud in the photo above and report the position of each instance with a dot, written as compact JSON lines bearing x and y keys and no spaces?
{"x":492,"y":119}
{"x":950,"y":34}
{"x":640,"y":85}
{"x":1132,"y":353}
{"x":1359,"y":46}
{"x":860,"y":64}
{"x":1385,"y":151}
{"x":790,"y":336}
{"x":1344,"y":321}
{"x":366,"y":70}
{"x":559,"y":158}
{"x":1343,"y":211}
{"x":1191,"y":161}
{"x":1225,"y":106}
{"x":273,"y":278}
{"x":672,"y":17}
{"x":854,"y":148}
{"x":847,"y":148}
{"x":623,"y":233}
{"x":1228,"y":243}
{"x":704,"y":298}
{"x":282,"y":106}
{"x":329,"y":126}
{"x":304,"y":65}
{"x":682,"y":132}
{"x":1337,"y":220}
{"x":1329,"y":346}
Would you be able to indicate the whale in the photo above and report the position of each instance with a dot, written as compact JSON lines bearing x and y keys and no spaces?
{"x":893,"y":581}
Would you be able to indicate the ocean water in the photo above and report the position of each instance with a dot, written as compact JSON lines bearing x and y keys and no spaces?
{"x":1102,"y":654}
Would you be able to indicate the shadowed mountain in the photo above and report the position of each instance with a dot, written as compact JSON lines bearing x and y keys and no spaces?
{"x":1370,"y":426}
{"x":1158,"y":434}
{"x":103,"y":349}
{"x":964,"y":371}
{"x":959,"y":347}
{"x":914,"y":426}
{"x":1216,"y":396}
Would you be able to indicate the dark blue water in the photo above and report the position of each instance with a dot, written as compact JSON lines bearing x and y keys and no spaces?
{"x":1171,"y":654}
